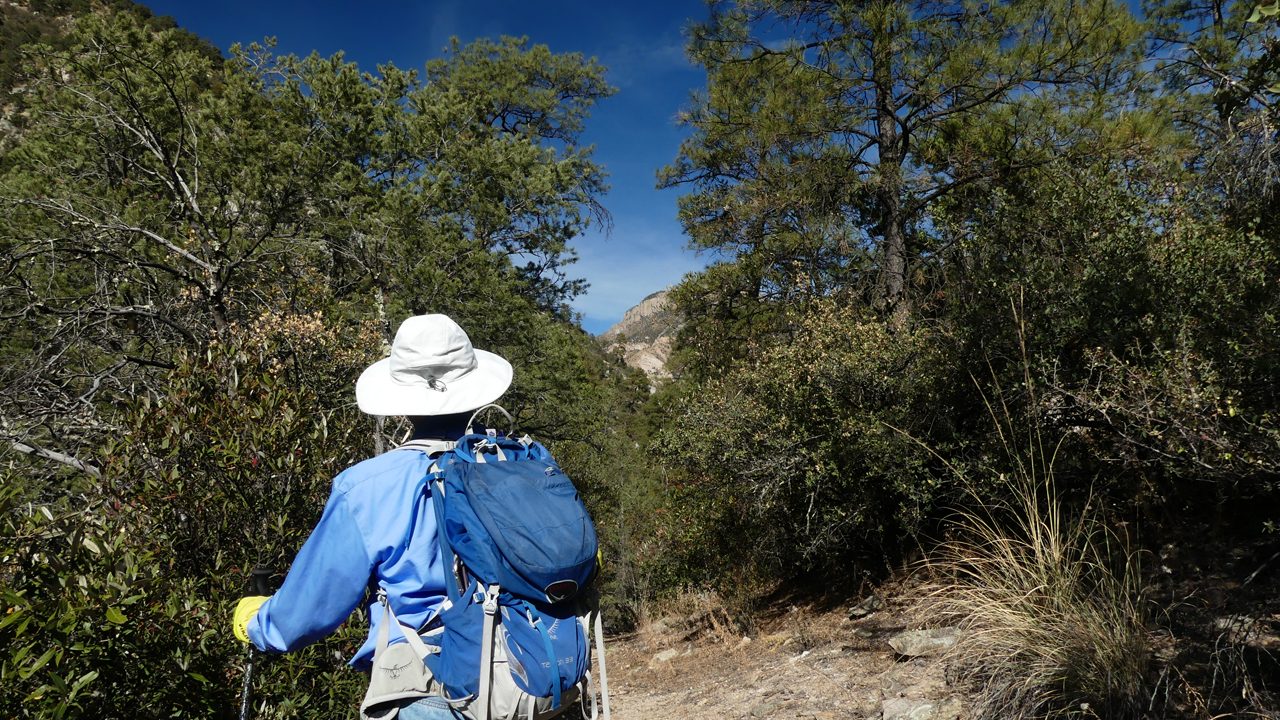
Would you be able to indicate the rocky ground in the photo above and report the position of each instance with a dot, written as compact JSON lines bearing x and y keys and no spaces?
{"x":803,"y":662}
{"x":1215,"y":652}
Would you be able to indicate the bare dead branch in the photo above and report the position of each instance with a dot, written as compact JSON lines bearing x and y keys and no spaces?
{"x":58,"y":457}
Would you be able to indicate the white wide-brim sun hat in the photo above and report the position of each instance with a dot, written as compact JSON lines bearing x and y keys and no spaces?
{"x":432,"y":370}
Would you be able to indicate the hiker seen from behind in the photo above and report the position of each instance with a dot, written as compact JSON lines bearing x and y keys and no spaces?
{"x":472,"y":551}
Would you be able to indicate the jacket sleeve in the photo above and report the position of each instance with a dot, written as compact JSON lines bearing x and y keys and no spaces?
{"x":325,"y":584}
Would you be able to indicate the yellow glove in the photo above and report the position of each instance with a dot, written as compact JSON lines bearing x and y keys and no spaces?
{"x":245,"y":610}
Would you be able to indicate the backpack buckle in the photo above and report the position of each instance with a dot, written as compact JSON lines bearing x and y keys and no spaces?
{"x":491,"y":600}
{"x":479,"y":449}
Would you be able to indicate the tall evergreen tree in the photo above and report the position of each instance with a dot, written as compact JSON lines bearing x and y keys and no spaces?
{"x":829,"y":129}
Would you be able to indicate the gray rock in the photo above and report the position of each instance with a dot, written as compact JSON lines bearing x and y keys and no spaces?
{"x":665,"y":655}
{"x":1237,"y":627}
{"x":868,"y":605}
{"x":924,"y":643}
{"x":662,"y":625}
{"x":912,"y":709}
{"x":765,"y":709}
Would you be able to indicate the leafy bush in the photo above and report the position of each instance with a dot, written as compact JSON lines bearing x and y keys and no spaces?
{"x":794,"y":458}
{"x":1172,"y":409}
{"x":120,"y":608}
{"x":75,"y":589}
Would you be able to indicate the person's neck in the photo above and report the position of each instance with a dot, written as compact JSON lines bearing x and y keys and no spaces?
{"x":440,"y":427}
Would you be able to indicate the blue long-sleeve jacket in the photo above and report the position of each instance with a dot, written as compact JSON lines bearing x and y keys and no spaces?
{"x":374,"y":508}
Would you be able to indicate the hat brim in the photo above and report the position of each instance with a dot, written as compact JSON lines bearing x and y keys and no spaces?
{"x":378,"y":394}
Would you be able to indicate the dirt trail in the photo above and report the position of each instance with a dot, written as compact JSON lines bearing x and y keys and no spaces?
{"x":802,"y":664}
{"x":1214,"y":625}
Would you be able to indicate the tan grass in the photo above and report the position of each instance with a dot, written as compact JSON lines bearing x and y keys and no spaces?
{"x":688,"y":615}
{"x":1051,"y":607}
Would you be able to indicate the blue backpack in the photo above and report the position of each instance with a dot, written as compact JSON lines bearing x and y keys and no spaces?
{"x":523,"y":550}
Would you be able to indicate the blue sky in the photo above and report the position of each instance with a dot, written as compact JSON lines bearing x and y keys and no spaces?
{"x":634,"y":131}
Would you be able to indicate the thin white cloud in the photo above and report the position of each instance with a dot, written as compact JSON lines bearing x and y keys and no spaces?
{"x":631,"y":62}
{"x":627,"y":267}
{"x":445,"y":22}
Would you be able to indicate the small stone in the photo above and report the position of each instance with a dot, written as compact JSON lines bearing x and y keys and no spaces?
{"x":744,"y":642}
{"x":661,"y":625}
{"x":924,"y":643}
{"x":765,"y":709}
{"x":907,"y":709}
{"x":665,"y":655}
{"x":912,"y":709}
{"x":869,"y":604}
{"x":1237,"y":628}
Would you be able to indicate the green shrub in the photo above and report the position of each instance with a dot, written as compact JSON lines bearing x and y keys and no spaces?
{"x":793,"y":459}
{"x":129,"y":595}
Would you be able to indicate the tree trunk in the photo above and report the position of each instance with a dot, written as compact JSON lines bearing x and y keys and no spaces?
{"x":892,"y":151}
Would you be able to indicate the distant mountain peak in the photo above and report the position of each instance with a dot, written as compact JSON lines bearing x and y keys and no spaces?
{"x":648,"y":330}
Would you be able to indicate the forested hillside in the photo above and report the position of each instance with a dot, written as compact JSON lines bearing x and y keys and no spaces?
{"x":988,"y":265}
{"x":994,"y":287}
{"x":1055,"y":219}
{"x":47,"y":21}
{"x":199,"y":257}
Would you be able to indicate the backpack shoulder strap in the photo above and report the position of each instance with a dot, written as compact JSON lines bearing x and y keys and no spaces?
{"x":593,"y":621}
{"x":447,"y":558}
{"x":604,"y":674}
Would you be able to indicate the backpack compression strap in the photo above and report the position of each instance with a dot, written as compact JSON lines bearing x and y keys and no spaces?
{"x":384,"y":631}
{"x":604,"y":675}
{"x":429,"y":446}
{"x":486,"y":651}
{"x":536,"y":621}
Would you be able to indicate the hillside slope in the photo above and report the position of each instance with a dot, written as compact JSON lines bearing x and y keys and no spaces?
{"x":647,"y":334}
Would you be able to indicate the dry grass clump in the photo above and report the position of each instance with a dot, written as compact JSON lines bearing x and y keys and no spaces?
{"x":691,"y":614}
{"x":1052,"y":609}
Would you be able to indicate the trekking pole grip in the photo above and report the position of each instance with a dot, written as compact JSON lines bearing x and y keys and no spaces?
{"x":261,"y":580}
{"x":259,"y":584}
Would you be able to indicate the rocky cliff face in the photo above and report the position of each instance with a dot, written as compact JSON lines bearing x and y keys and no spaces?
{"x":647,"y":333}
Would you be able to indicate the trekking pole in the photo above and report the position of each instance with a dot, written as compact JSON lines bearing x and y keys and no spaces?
{"x":259,"y":586}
